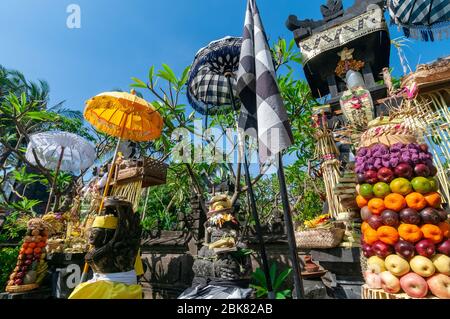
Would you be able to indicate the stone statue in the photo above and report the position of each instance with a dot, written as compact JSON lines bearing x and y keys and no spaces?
{"x":222,"y":261}
{"x":115,"y":240}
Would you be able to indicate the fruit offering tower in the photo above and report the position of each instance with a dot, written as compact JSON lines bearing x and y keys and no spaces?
{"x":31,"y":267}
{"x":405,"y":229}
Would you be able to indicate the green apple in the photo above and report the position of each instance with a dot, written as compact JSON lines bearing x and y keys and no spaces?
{"x":434,"y":184}
{"x":421,"y":184}
{"x":401,"y":186}
{"x":366,"y":191}
{"x":381,"y":190}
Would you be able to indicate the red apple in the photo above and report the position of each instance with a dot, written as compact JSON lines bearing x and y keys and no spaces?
{"x":444,"y":247}
{"x":371,"y":176}
{"x":425,"y":248}
{"x":367,"y":250}
{"x":414,"y":285}
{"x":381,"y":249}
{"x":422,"y":170}
{"x":429,"y":215}
{"x":404,"y":170}
{"x":404,"y":249}
{"x":409,"y":216}
{"x":375,"y":221}
{"x":390,"y":218}
{"x":389,"y":282}
{"x":439,"y":285}
{"x":385,"y":175}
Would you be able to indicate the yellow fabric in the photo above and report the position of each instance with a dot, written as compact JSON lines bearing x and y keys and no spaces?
{"x":109,"y":112}
{"x":138,"y":266}
{"x":108,"y":222}
{"x":106,"y":290}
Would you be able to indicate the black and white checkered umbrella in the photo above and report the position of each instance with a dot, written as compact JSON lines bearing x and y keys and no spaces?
{"x":208,"y":90}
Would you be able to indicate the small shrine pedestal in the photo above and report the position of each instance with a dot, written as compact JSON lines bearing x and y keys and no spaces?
{"x":344,"y":270}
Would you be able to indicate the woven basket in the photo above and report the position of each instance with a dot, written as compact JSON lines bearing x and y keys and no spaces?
{"x":151,"y":171}
{"x":21,"y":288}
{"x":369,"y":293}
{"x":319,"y":238}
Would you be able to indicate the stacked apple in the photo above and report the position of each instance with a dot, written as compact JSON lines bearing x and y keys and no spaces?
{"x":405,"y":230}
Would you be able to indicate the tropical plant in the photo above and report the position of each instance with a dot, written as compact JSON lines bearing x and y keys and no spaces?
{"x":260,"y":283}
{"x":8,"y":257}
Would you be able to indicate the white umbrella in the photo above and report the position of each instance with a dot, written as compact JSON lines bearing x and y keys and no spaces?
{"x":60,"y":151}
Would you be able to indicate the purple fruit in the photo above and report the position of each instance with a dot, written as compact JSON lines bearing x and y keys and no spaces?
{"x":444,"y":247}
{"x":381,"y":249}
{"x":361,"y":178}
{"x":430,"y":215}
{"x":367,"y":250}
{"x":409,"y":216}
{"x":404,"y":249}
{"x":390,"y":218}
{"x":371,"y":176}
{"x":404,"y":170}
{"x":422,"y":170}
{"x":433,"y":170}
{"x":443,"y":214}
{"x":425,"y":248}
{"x":365,"y":213}
{"x":385,"y":175}
{"x":375,"y":221}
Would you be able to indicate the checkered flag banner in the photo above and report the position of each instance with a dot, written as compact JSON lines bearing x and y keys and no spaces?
{"x":262,"y":108}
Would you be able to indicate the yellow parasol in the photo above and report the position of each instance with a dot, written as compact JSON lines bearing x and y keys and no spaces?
{"x":123,"y":115}
{"x":126,"y":116}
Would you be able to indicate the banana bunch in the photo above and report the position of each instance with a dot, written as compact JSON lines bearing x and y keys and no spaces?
{"x":41,"y":271}
{"x":318,"y":221}
{"x":220,"y":202}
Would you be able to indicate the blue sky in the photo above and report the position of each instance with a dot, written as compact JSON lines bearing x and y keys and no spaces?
{"x":119,"y":39}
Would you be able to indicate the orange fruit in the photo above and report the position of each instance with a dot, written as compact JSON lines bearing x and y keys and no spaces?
{"x":395,"y":202}
{"x":410,"y":233}
{"x":416,"y":201}
{"x":388,"y":235}
{"x":432,"y":232}
{"x":361,"y":201}
{"x":445,"y":229}
{"x":370,"y":235}
{"x":433,"y":199}
{"x":364,"y":226}
{"x":376,"y":206}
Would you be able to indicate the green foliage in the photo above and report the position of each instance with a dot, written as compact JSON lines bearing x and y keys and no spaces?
{"x":8,"y":257}
{"x":260,"y":283}
{"x":166,"y":202}
{"x":14,"y":227}
{"x":306,"y":191}
{"x":15,"y":224}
